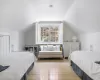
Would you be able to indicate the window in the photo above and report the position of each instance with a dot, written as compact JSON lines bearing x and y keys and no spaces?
{"x":49,"y":33}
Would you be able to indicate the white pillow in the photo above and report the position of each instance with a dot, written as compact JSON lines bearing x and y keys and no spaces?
{"x":41,"y":47}
{"x":45,"y":48}
{"x":54,"y":48}
{"x":58,"y":47}
{"x":50,"y":47}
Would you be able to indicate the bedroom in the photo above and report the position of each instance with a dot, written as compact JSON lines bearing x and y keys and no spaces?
{"x":35,"y":32}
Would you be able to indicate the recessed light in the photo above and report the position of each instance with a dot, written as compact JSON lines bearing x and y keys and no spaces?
{"x":51,"y":6}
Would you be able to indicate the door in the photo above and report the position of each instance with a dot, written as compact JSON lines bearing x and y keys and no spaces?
{"x":4,"y":45}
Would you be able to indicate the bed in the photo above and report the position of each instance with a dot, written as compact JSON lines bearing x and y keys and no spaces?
{"x":20,"y":64}
{"x":83,"y":63}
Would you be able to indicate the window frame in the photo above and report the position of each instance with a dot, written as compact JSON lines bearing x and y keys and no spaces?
{"x":38,"y":32}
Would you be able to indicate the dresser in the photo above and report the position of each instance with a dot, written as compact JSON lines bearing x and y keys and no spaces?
{"x":69,"y":47}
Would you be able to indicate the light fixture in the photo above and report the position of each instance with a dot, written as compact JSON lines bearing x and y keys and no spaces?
{"x":51,"y":2}
{"x":51,"y":6}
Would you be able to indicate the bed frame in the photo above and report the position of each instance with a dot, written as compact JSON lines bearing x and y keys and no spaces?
{"x":27,"y":72}
{"x":80,"y":72}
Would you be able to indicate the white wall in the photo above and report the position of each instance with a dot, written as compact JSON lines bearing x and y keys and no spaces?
{"x":21,"y":41}
{"x":84,"y":16}
{"x":90,"y":39}
{"x":68,"y":33}
{"x":29,"y":35}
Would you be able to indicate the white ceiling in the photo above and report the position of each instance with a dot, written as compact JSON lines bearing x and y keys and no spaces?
{"x":18,"y":14}
{"x":81,"y":15}
{"x":84,"y":16}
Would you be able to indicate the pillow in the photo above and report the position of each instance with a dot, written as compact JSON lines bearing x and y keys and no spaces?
{"x":58,"y":47}
{"x":45,"y":48}
{"x":41,"y":47}
{"x":50,"y":47}
{"x":54,"y":48}
{"x":2,"y":68}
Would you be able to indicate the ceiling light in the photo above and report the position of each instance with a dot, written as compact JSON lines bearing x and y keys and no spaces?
{"x":50,"y":6}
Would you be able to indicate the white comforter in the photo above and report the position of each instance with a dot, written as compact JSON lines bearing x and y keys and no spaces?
{"x":86,"y":61}
{"x":19,"y":62}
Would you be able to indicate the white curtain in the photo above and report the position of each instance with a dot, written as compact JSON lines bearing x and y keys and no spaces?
{"x":4,"y":45}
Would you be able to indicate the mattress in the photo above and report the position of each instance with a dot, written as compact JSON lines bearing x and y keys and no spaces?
{"x":19,"y":62}
{"x":85,"y":60}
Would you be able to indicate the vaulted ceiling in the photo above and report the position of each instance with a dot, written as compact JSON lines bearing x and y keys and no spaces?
{"x":81,"y":15}
{"x":18,"y":14}
{"x":84,"y":16}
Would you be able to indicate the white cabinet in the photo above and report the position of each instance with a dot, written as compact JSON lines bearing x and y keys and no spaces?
{"x":70,"y":47}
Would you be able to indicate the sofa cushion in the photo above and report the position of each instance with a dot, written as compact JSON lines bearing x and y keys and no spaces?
{"x":50,"y":48}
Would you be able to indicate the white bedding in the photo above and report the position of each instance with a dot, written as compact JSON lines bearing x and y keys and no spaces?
{"x":86,"y":61}
{"x":19,"y":62}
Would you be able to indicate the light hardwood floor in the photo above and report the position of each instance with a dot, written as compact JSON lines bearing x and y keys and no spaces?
{"x":52,"y":70}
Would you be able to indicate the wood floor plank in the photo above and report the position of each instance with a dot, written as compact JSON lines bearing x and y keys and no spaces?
{"x":52,"y":70}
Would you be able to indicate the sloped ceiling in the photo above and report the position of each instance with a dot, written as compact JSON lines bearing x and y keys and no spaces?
{"x":19,"y":14}
{"x":81,"y":16}
{"x":84,"y":16}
